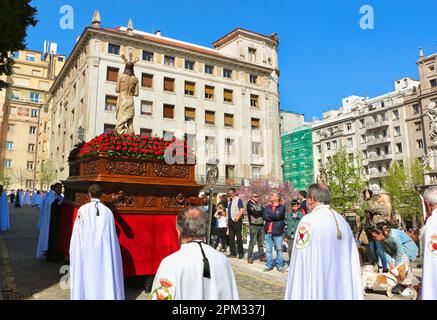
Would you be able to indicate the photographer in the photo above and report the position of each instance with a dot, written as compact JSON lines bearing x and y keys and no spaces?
{"x":377,"y":214}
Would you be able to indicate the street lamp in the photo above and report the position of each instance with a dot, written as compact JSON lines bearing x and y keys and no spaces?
{"x":211,"y":180}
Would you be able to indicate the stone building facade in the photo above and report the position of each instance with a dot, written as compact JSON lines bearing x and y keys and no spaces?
{"x":224,"y":100}
{"x":23,"y":122}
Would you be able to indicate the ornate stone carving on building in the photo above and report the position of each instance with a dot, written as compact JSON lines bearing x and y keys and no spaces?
{"x":432,"y":115}
{"x":175,"y":202}
{"x":23,"y":112}
{"x":126,"y":168}
{"x":91,"y":167}
{"x":164,"y":170}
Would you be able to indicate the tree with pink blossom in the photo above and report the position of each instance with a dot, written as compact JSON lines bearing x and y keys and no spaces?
{"x":264,"y":188}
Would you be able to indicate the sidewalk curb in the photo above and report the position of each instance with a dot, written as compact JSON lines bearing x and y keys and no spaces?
{"x":8,"y":287}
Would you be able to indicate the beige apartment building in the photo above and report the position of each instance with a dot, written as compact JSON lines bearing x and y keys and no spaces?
{"x":417,"y":105}
{"x":376,"y":128}
{"x":224,"y":100}
{"x":21,"y":116}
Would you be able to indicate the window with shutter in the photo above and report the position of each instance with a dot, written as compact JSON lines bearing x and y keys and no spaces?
{"x":169,"y":84}
{"x":228,"y":95}
{"x":111,"y":103}
{"x":146,"y":132}
{"x":168,"y":111}
{"x":255,"y":123}
{"x":209,"y":92}
{"x":146,"y":108}
{"x":210,"y":117}
{"x":112,"y":74}
{"x":147,"y":80}
{"x":229,"y":120}
{"x":189,"y":88}
{"x":190,"y":114}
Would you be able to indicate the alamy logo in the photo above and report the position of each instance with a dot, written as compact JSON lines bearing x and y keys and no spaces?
{"x":367,"y":21}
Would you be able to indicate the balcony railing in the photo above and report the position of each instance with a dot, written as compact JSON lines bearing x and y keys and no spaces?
{"x":382,"y":140}
{"x":382,"y":157}
{"x":377,"y":124}
{"x":374,"y":175}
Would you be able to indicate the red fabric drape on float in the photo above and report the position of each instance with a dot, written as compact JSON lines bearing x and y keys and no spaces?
{"x":144,"y":239}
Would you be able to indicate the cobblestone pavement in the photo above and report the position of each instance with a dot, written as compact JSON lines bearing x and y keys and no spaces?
{"x":26,"y":277}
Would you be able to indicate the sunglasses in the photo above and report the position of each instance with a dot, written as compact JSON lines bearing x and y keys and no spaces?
{"x":256,"y":196}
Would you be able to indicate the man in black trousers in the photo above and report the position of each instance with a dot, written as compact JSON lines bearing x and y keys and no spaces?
{"x":235,"y":224}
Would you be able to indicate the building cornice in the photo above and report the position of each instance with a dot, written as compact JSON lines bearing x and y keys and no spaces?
{"x":271,"y":39}
{"x":122,"y":35}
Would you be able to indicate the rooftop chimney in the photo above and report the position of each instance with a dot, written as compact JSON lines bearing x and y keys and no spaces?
{"x":421,"y":55}
{"x":130,"y":27}
{"x":96,"y":19}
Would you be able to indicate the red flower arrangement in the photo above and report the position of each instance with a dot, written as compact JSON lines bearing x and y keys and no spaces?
{"x":134,"y":147}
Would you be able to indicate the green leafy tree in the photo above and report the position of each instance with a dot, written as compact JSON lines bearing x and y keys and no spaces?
{"x":47,"y":174}
{"x":345,"y":177}
{"x":401,"y":185}
{"x":15,"y":17}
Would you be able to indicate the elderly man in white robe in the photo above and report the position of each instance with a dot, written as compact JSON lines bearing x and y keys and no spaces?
{"x":4,"y":210}
{"x":96,"y":268}
{"x":197,"y":271}
{"x":429,"y":272}
{"x":26,"y":198}
{"x":325,"y":264}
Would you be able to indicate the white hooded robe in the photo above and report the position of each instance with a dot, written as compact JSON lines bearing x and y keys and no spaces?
{"x":323,"y":267}
{"x":4,"y":212}
{"x":26,"y":199}
{"x":429,"y":272}
{"x":180,"y":276}
{"x":44,"y":224}
{"x":96,"y":268}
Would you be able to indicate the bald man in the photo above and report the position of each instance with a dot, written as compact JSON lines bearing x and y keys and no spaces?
{"x":325,"y":264}
{"x":197,"y":271}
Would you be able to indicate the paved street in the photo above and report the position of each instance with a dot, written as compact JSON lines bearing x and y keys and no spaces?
{"x":25,"y":277}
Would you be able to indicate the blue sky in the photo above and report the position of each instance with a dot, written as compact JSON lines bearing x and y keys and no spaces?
{"x":324,"y":54}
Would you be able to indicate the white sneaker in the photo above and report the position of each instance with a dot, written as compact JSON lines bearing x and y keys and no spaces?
{"x":288,"y":269}
{"x":408,"y":292}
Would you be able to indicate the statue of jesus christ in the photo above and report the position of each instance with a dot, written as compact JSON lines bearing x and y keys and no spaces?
{"x":127,"y":88}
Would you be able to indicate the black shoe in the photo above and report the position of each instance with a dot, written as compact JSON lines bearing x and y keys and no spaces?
{"x":397,"y":289}
{"x":240,"y":256}
{"x":231,"y":255}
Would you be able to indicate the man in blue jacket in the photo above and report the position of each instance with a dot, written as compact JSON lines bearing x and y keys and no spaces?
{"x":274,"y":216}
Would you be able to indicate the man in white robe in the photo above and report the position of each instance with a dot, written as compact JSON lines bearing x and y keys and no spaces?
{"x":21,"y":195}
{"x":44,"y":223}
{"x":4,"y":210}
{"x":429,"y":271}
{"x":26,"y":199}
{"x":197,"y":271}
{"x":96,"y":268}
{"x":36,"y":199}
{"x":325,"y":264}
